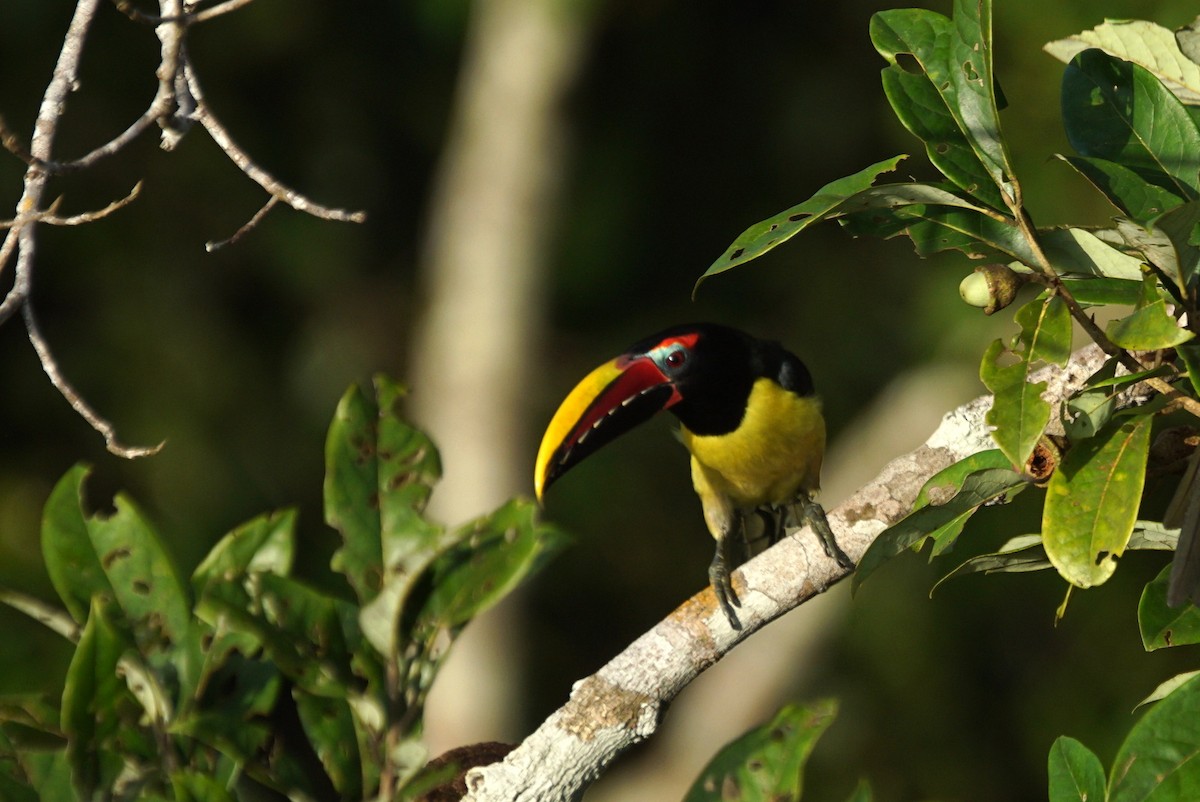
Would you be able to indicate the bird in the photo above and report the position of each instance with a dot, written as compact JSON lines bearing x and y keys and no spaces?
{"x":749,"y":417}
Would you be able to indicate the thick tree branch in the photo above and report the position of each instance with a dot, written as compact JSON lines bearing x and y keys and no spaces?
{"x":623,"y":702}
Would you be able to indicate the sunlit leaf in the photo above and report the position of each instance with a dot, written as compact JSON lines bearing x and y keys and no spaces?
{"x":762,"y":237}
{"x":1092,"y":501}
{"x":1165,"y":688}
{"x":1150,"y":326}
{"x":1075,"y":250}
{"x":940,"y":84}
{"x":1076,"y":774}
{"x":1146,"y":44}
{"x":1118,"y":111}
{"x":766,"y":763}
{"x":1019,"y":414}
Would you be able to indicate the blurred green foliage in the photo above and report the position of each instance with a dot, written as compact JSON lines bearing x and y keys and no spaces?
{"x":690,"y":122}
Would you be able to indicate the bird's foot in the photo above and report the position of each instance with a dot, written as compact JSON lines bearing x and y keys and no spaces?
{"x":814,"y":514}
{"x":718,"y":577}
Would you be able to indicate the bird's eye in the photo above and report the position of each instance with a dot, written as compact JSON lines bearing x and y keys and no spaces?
{"x":676,"y":358}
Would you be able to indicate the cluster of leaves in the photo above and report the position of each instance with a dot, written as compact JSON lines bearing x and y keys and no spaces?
{"x":246,"y":677}
{"x":1131,"y":109}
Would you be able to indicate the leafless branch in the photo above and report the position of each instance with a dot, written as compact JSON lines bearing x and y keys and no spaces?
{"x":622,"y":703}
{"x":176,"y":105}
{"x":190,"y":18}
{"x":257,"y":174}
{"x":245,"y":229}
{"x":85,"y":410}
{"x":50,"y":215}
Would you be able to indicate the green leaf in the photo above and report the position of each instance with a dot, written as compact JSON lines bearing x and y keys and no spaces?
{"x":492,"y":556}
{"x":934,"y":229}
{"x":1166,"y":688}
{"x":1075,"y":772}
{"x":861,"y":793}
{"x":1128,"y":191}
{"x":1161,"y":625}
{"x":767,"y":763}
{"x":1157,"y":760}
{"x":1118,"y":111}
{"x":1020,"y":554}
{"x":308,"y":634}
{"x":379,"y":473}
{"x":1189,"y":353}
{"x":266,"y":543}
{"x":945,"y":519}
{"x":1151,"y":326}
{"x":50,"y":775}
{"x":329,"y":725}
{"x":1088,"y":410}
{"x":1146,"y":44}
{"x":762,"y":237}
{"x":940,"y":84}
{"x":1075,"y":250}
{"x":192,"y":786}
{"x":93,"y":695}
{"x":1181,"y":226}
{"x":1019,"y":413}
{"x":1096,"y":291}
{"x":1092,"y":501}
{"x":118,"y":556}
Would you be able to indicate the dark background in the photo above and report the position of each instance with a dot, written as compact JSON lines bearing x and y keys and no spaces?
{"x":689,"y":122}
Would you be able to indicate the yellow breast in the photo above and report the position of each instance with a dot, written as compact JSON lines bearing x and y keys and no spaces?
{"x":774,"y":454}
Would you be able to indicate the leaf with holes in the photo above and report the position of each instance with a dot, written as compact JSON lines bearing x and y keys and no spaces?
{"x":767,"y":763}
{"x":1092,"y":501}
{"x":379,"y":474}
{"x":1118,"y":111}
{"x":1161,"y":625}
{"x":762,"y":237}
{"x":1019,"y":414}
{"x":119,"y":556}
{"x":940,"y":83}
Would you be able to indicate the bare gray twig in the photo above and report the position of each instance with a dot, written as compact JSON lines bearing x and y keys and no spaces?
{"x":246,"y":228}
{"x":258,"y":175}
{"x":176,"y":105}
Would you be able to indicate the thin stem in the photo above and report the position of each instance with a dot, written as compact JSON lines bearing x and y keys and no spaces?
{"x":248,"y":166}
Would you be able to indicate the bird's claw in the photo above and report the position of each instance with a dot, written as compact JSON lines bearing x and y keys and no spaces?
{"x":718,"y":577}
{"x":814,"y":514}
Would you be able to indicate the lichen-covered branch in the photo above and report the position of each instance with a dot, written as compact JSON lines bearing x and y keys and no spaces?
{"x":622,"y":703}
